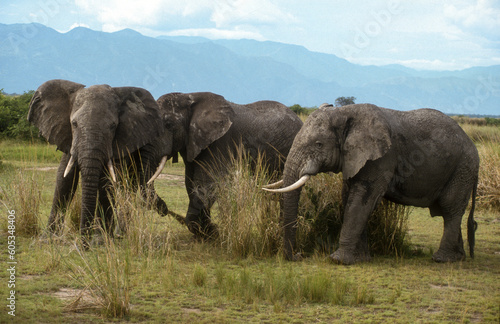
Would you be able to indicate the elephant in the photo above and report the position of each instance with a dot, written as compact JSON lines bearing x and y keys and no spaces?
{"x":420,"y":158}
{"x":206,"y":130}
{"x":95,"y":128}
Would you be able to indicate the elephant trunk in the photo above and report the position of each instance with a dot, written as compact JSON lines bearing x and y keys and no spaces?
{"x":91,"y":170}
{"x":290,"y":202}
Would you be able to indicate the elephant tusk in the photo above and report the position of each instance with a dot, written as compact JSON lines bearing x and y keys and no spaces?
{"x":158,"y":170}
{"x":273,"y":185}
{"x":294,"y":186}
{"x":71,"y":162}
{"x":111,"y":170}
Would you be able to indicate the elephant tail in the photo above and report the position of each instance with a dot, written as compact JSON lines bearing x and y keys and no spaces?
{"x":471,"y":223}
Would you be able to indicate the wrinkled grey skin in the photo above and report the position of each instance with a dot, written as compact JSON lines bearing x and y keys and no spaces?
{"x":204,"y":128}
{"x":420,"y":158}
{"x":94,"y":125}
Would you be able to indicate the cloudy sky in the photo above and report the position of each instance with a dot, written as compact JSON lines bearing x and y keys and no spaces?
{"x":422,"y":34}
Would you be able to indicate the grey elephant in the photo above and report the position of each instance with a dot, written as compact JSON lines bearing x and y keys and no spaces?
{"x":96,"y":128}
{"x":206,"y":130}
{"x":421,"y":158}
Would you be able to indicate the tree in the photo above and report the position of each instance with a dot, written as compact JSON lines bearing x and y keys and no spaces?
{"x":299,"y":110}
{"x":344,"y":101}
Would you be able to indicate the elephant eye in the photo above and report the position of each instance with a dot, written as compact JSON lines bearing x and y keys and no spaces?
{"x":74,"y":123}
{"x":319,"y":144}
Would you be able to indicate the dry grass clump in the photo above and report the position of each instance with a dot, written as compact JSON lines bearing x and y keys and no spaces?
{"x":23,"y":196}
{"x":320,"y":220}
{"x":248,"y":218}
{"x":486,"y":136}
{"x":105,"y":272}
{"x":136,"y":221}
{"x":488,"y":191}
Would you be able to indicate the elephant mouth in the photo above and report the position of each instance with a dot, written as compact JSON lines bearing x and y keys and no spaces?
{"x":72,"y":160}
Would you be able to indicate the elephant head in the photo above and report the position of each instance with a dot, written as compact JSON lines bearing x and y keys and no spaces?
{"x":192,"y":122}
{"x":94,"y":125}
{"x":331,"y":140}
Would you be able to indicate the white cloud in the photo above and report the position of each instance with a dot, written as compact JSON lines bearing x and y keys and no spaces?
{"x":221,"y":13}
{"x":237,"y":12}
{"x":480,"y":18}
{"x":215,"y":33}
{"x":129,"y":12}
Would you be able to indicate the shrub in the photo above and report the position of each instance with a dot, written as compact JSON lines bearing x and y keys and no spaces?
{"x":13,"y":117}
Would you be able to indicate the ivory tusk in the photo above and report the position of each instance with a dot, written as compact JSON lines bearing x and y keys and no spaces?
{"x":71,"y":162}
{"x":111,"y":170}
{"x":273,"y":185}
{"x":294,"y":186}
{"x":158,"y":170}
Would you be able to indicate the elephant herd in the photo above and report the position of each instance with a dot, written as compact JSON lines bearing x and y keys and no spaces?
{"x":420,"y":158}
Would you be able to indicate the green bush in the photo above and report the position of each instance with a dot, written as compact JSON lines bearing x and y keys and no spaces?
{"x":13,"y":117}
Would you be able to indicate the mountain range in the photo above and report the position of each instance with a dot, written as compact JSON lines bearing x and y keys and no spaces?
{"x":242,"y":71}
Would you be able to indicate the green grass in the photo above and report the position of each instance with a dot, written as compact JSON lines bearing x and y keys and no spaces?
{"x":156,"y":272}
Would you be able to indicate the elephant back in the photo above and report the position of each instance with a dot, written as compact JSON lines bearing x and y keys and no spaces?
{"x":266,"y":127}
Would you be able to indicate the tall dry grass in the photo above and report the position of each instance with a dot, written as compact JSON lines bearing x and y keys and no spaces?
{"x":247,"y":217}
{"x":485,"y":133}
{"x":488,"y":191}
{"x":320,"y":220}
{"x":135,"y":219}
{"x":105,"y":273}
{"x":23,"y":195}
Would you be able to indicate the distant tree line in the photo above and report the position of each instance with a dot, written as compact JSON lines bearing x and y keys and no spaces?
{"x":339,"y":102}
{"x":13,"y":114}
{"x":14,"y":111}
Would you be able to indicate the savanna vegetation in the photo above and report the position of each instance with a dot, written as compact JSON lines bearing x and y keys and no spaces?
{"x":153,"y":271}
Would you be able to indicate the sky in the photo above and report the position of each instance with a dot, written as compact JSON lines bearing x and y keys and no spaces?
{"x":421,"y":34}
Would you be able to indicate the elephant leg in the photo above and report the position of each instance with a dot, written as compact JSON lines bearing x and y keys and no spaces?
{"x":451,"y":248}
{"x":361,"y":199}
{"x":452,"y":205}
{"x":198,"y":218}
{"x":63,"y":194}
{"x":201,"y":199}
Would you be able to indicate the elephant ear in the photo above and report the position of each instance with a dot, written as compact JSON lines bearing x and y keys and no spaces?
{"x":367,"y":137}
{"x":211,"y":118}
{"x":139,"y":120}
{"x":50,"y":110}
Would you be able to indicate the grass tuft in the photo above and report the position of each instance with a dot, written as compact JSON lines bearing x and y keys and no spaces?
{"x":248,"y":219}
{"x":105,"y":272}
{"x":23,"y":195}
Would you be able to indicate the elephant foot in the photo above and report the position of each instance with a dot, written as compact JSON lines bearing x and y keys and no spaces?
{"x":209,"y":232}
{"x":342,"y":256}
{"x":442,"y":256}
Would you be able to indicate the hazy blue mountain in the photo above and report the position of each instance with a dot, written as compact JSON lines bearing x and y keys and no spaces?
{"x":241,"y":70}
